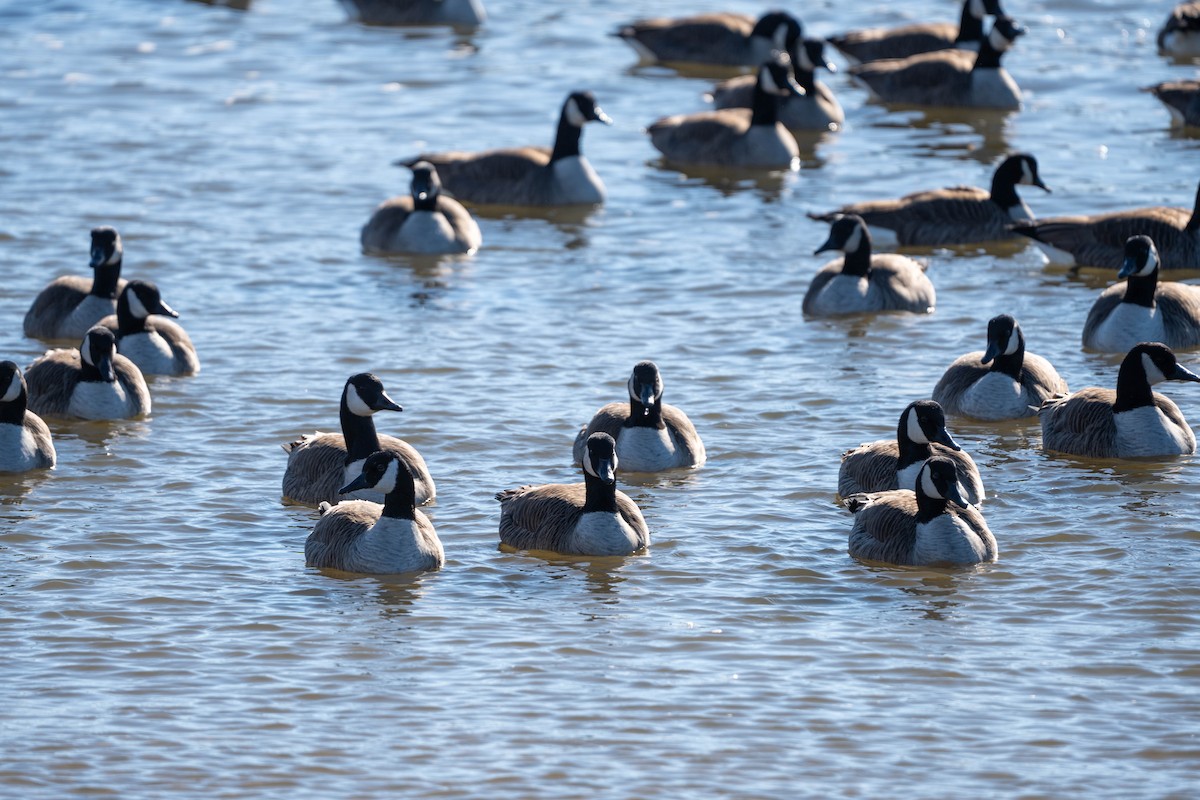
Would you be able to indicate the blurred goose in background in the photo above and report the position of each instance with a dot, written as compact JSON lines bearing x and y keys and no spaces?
{"x":1182,"y":99}
{"x":1180,"y":34}
{"x":587,"y":519}
{"x":465,"y":13}
{"x":361,"y":536}
{"x":25,"y":441}
{"x":872,"y":44}
{"x":861,"y":282}
{"x":528,"y":176}
{"x":817,"y":110}
{"x":321,"y":463}
{"x":650,"y":434}
{"x":954,"y":78}
{"x":426,"y":221}
{"x":69,"y":305}
{"x":146,"y":337}
{"x":1132,"y":421}
{"x":955,"y":215}
{"x":721,"y":38}
{"x":736,"y":137}
{"x":93,"y":382}
{"x":894,"y":463}
{"x":1142,"y":309}
{"x":1014,"y":386}
{"x":930,"y":526}
{"x":1099,"y":240}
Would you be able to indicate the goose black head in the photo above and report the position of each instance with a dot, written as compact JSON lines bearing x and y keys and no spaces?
{"x":12,"y":382}
{"x":143,"y":299}
{"x":1141,"y":257}
{"x":924,"y":422}
{"x":1159,"y":363}
{"x":775,"y":76}
{"x":938,"y":479}
{"x":1005,"y":31}
{"x":382,"y":471}
{"x":97,"y":350}
{"x":426,"y":185}
{"x":810,"y":54}
{"x":581,"y":108}
{"x":780,"y":28}
{"x":646,"y":385}
{"x":364,"y":395}
{"x":1003,"y":336}
{"x":848,"y":233}
{"x":106,"y":247}
{"x":600,"y":460}
{"x":1020,"y":169}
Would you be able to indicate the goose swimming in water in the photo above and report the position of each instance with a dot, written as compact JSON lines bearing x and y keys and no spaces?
{"x":93,"y":382}
{"x":427,"y":221}
{"x":1182,"y":99}
{"x":872,"y":44}
{"x":591,"y":518}
{"x":463,"y":13}
{"x":816,"y":110}
{"x":25,"y":441}
{"x":1014,"y":386}
{"x":933,"y":525}
{"x":146,"y":337}
{"x":1180,"y":34}
{"x":1130,"y":422}
{"x":861,"y":282}
{"x":528,"y":176}
{"x":722,"y":38}
{"x":650,"y":434}
{"x":70,"y":305}
{"x":321,"y":463}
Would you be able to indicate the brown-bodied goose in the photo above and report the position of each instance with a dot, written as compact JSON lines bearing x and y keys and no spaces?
{"x":1130,"y":422}
{"x":147,"y":337}
{"x":93,"y":382}
{"x":1180,"y":34}
{"x":1142,"y":309}
{"x":894,"y":463}
{"x":650,"y":434}
{"x":70,"y":305}
{"x":1182,"y":99}
{"x":528,"y":176}
{"x":320,"y":464}
{"x":955,"y":215}
{"x":464,"y":13}
{"x":861,"y":282}
{"x":1014,"y":386}
{"x":362,"y":536}
{"x":1099,"y":240}
{"x":591,"y":518}
{"x":930,"y":526}
{"x":952,"y":78}
{"x":722,"y":38}
{"x":872,"y":44}
{"x":817,"y":110}
{"x":426,"y":221}
{"x":25,"y":441}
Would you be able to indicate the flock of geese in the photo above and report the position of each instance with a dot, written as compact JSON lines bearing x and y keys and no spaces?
{"x":915,"y":499}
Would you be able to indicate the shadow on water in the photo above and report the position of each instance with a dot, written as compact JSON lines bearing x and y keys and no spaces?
{"x":974,"y":134}
{"x":769,"y":185}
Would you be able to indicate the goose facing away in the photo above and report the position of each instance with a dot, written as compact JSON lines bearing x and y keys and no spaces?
{"x":146,"y":337}
{"x":69,"y":305}
{"x":464,"y":13}
{"x":950,"y":78}
{"x":722,"y":38}
{"x":1180,"y":34}
{"x":426,"y":221}
{"x":650,"y":434}
{"x":1132,"y":421}
{"x":320,"y":464}
{"x":736,"y":137}
{"x":92,"y":382}
{"x":1142,"y":309}
{"x":361,"y":536}
{"x":1182,"y":99}
{"x":861,"y":282}
{"x":893,"y":463}
{"x":1099,"y":240}
{"x":873,"y":44}
{"x":930,"y":526}
{"x":591,"y":518}
{"x":955,"y":215}
{"x":1014,"y":385}
{"x":25,"y":441}
{"x":816,"y":110}
{"x":528,"y":176}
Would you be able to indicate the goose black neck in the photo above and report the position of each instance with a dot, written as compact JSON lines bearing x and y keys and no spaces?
{"x":1004,"y":190}
{"x":989,"y":56}
{"x":1194,"y":223}
{"x":427,"y":203}
{"x":401,"y":501}
{"x":1140,"y":289}
{"x":127,"y":321}
{"x":929,"y":508}
{"x":764,"y":107}
{"x":858,"y":262}
{"x":1010,"y":364}
{"x":641,"y":416}
{"x":598,"y":495}
{"x":105,"y":279}
{"x":89,"y":374}
{"x":970,"y":27}
{"x":910,"y":452}
{"x":807,"y":80}
{"x":359,"y":433}
{"x":13,"y":412}
{"x":1133,"y":387}
{"x":566,"y":141}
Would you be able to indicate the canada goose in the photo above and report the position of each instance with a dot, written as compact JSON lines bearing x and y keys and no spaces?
{"x":736,"y":137}
{"x":949,"y":77}
{"x":93,"y":382}
{"x":817,"y":110}
{"x":727,"y":39}
{"x":1014,"y":386}
{"x":586,"y":519}
{"x":465,"y":13}
{"x":69,"y":305}
{"x":1132,"y":421}
{"x":1099,"y":240}
{"x":362,"y":536}
{"x":25,"y":441}
{"x":650,"y":434}
{"x":893,"y":463}
{"x":146,"y":337}
{"x":528,"y":176}
{"x":320,"y":464}
{"x":872,"y":44}
{"x":427,"y":221}
{"x":921,"y":528}
{"x":1182,"y":98}
{"x":860,"y":281}
{"x":1180,"y":34}
{"x":1142,"y":309}
{"x":955,"y":215}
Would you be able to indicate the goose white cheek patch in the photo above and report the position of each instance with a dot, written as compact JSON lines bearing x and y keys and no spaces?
{"x":1153,"y":373}
{"x":355,"y":403}
{"x":914,"y":429}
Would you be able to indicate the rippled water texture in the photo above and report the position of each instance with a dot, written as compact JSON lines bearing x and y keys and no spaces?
{"x":160,"y":634}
